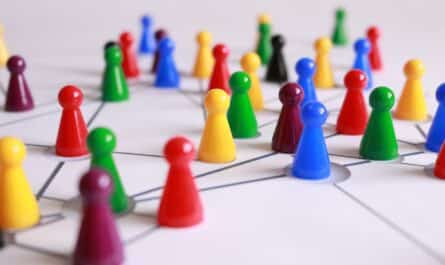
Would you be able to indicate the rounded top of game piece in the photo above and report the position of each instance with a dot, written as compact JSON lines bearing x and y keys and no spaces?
{"x":362,"y":46}
{"x":146,"y":20}
{"x":217,"y":100}
{"x":382,"y":99}
{"x":70,"y":97}
{"x":160,"y":34}
{"x":264,"y":18}
{"x":440,"y":93}
{"x":109,"y":44}
{"x":373,"y":33}
{"x":95,"y":183}
{"x":278,"y":41}
{"x":414,"y":68}
{"x":305,"y":67}
{"x":12,"y":151}
{"x":166,"y":45}
{"x":113,"y":55}
{"x":240,"y":82}
{"x":101,"y":141}
{"x":291,"y":94}
{"x":355,"y":79}
{"x":126,"y":38}
{"x":220,"y":51}
{"x":323,"y":45}
{"x":340,"y":13}
{"x":314,"y":113}
{"x":204,"y":38}
{"x":16,"y":64}
{"x":179,"y":150}
{"x":250,"y":62}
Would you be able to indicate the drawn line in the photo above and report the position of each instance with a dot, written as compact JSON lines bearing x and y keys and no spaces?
{"x":347,"y":156}
{"x":137,"y":237}
{"x":190,"y":98}
{"x":412,"y":154}
{"x":50,"y":198}
{"x":201,"y":89}
{"x":411,"y":164}
{"x":420,"y":130}
{"x":93,"y":117}
{"x":138,"y":154}
{"x":41,"y":250}
{"x":357,"y":163}
{"x":331,"y":135}
{"x":267,"y":123}
{"x":49,"y":180}
{"x":409,"y":143}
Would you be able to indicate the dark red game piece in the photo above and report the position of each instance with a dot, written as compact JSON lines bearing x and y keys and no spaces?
{"x":18,"y":96}
{"x":73,"y":132}
{"x":375,"y":58}
{"x":353,"y":116}
{"x":98,"y":242}
{"x":439,"y":167}
{"x":180,"y":202}
{"x":288,"y":130}
{"x":220,"y":74}
{"x":159,"y":35}
{"x":129,"y":62}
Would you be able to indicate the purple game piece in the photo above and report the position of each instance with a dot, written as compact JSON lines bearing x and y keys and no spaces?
{"x":159,"y":35}
{"x":98,"y":242}
{"x":18,"y":96}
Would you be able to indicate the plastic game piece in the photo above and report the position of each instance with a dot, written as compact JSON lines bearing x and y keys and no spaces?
{"x":129,"y":61}
{"x":288,"y":130}
{"x":264,"y":45}
{"x":2,"y":240}
{"x":375,"y":58}
{"x":204,"y":59}
{"x":18,"y":95}
{"x":305,"y":69}
{"x":101,"y":143}
{"x":379,"y":141}
{"x":180,"y":204}
{"x":147,"y":44}
{"x":241,"y":116}
{"x":353,"y":115}
{"x":439,"y":165}
{"x":436,"y":134}
{"x":167,"y":76}
{"x":18,"y":207}
{"x":109,"y":44}
{"x":98,"y":241}
{"x":217,"y":145}
{"x":339,"y":36}
{"x":114,"y":85}
{"x":311,"y":159}
{"x":4,"y":54}
{"x":159,"y":35}
{"x":412,"y":103}
{"x":362,"y":48}
{"x":220,"y":74}
{"x":250,"y":63}
{"x":324,"y":76}
{"x":72,"y":136}
{"x":277,"y":69}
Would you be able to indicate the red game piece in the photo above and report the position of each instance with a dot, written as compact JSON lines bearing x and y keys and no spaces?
{"x":220,"y":74}
{"x":159,"y":35}
{"x":353,"y":115}
{"x":180,"y":202}
{"x":439,"y":166}
{"x":98,"y":242}
{"x":71,"y":139}
{"x":18,"y":96}
{"x":288,"y":130}
{"x":129,"y":62}
{"x":375,"y":58}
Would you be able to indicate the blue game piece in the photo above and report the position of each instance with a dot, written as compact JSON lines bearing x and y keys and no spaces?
{"x":147,"y":43}
{"x":436,"y":134}
{"x":362,"y":48}
{"x":311,"y":158}
{"x":305,"y":69}
{"x":167,"y":76}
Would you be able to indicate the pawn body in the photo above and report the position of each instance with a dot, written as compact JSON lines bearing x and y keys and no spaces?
{"x":114,"y":84}
{"x":264,"y":46}
{"x":129,"y":61}
{"x":324,"y":76}
{"x":220,"y":73}
{"x":439,"y":166}
{"x":204,"y":59}
{"x":339,"y":36}
{"x":436,"y":134}
{"x":276,"y":68}
{"x":305,"y":69}
{"x":167,"y":76}
{"x":362,"y":48}
{"x":4,"y":54}
{"x":250,"y":63}
{"x":159,"y":35}
{"x":18,"y":95}
{"x":147,"y":44}
{"x":375,"y":58}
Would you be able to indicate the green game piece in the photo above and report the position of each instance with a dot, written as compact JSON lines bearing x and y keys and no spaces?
{"x":379,"y":141}
{"x":339,"y":36}
{"x":101,"y":143}
{"x":264,"y":46}
{"x":241,"y":116}
{"x":114,"y":84}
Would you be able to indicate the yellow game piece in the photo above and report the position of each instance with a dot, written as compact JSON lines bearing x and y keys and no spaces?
{"x":217,"y":145}
{"x":4,"y":54}
{"x":204,"y":58}
{"x":18,"y":206}
{"x":324,"y":76}
{"x":412,"y":104}
{"x":264,"y":18}
{"x":250,"y":63}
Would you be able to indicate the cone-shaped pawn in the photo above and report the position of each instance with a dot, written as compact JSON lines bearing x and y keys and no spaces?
{"x":250,"y":63}
{"x":18,"y":207}
{"x":439,"y":166}
{"x":204,"y":59}
{"x":412,"y":103}
{"x":147,"y":44}
{"x":159,"y":35}
{"x":324,"y":76}
{"x":72,"y":135}
{"x":129,"y":61}
{"x":217,"y":145}
{"x":98,"y":241}
{"x":375,"y":58}
{"x":264,"y":45}
{"x":220,"y":73}
{"x":4,"y":54}
{"x":379,"y":141}
{"x":180,"y":204}
{"x":101,"y":143}
{"x":167,"y":76}
{"x":362,"y":48}
{"x":114,"y":85}
{"x":276,"y":68}
{"x":353,"y":115}
{"x":436,"y":134}
{"x":311,"y":157}
{"x":18,"y":95}
{"x":288,"y":130}
{"x":305,"y":69}
{"x":339,"y":35}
